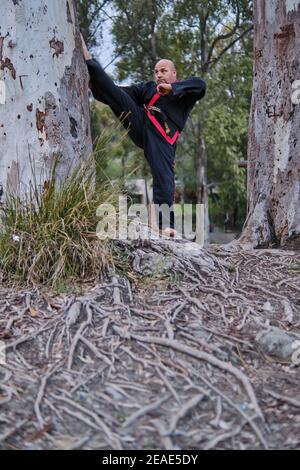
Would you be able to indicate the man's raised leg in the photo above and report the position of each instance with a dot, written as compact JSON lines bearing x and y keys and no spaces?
{"x":105,"y":90}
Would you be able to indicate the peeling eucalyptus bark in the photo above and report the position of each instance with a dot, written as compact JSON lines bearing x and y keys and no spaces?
{"x":44,"y":108}
{"x":274,"y":128}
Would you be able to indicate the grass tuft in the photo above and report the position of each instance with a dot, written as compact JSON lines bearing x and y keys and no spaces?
{"x":49,"y":236}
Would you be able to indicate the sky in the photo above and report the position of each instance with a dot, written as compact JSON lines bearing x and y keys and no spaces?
{"x":105,"y":52}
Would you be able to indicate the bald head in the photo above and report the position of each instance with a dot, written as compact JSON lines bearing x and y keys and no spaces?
{"x":166,"y":63}
{"x":165,"y":71}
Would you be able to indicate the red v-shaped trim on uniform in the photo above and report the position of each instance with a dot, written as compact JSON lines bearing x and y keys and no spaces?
{"x":157,"y":124}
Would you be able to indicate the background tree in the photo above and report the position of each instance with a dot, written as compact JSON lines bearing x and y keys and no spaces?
{"x":43,"y":100}
{"x":274,"y":164}
{"x":207,"y":38}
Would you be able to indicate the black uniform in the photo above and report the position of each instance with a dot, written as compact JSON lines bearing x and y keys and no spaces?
{"x":175,"y":108}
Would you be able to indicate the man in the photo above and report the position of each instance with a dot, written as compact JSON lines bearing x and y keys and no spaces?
{"x":154,"y":113}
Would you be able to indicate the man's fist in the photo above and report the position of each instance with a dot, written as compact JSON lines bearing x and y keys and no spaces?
{"x":164,"y":88}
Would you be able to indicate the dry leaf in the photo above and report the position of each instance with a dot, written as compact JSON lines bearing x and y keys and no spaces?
{"x":33,"y":311}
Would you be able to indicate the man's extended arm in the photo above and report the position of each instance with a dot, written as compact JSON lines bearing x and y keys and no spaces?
{"x":194,"y":87}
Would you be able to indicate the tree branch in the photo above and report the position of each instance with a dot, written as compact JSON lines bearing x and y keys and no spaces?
{"x":223,"y":37}
{"x":214,"y":61}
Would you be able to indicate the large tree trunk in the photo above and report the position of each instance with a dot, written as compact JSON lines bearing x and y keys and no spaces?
{"x":44,"y":109}
{"x":274,"y":129}
{"x":201,"y":179}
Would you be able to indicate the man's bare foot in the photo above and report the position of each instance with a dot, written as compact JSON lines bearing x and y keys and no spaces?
{"x":169,"y":232}
{"x":86,"y":54}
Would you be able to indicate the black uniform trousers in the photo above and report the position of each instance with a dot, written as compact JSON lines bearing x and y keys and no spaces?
{"x":159,"y":153}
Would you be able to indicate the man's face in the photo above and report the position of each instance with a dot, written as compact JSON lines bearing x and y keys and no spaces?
{"x":164,"y":72}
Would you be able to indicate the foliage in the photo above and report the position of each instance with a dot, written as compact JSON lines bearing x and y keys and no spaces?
{"x":123,"y":158}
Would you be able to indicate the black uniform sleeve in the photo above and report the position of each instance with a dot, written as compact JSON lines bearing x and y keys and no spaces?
{"x":193,"y":87}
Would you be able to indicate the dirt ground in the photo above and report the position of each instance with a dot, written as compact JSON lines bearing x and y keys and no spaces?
{"x":165,"y":358}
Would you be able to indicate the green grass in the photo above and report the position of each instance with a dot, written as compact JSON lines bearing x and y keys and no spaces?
{"x":49,"y":237}
{"x":294,"y":267}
